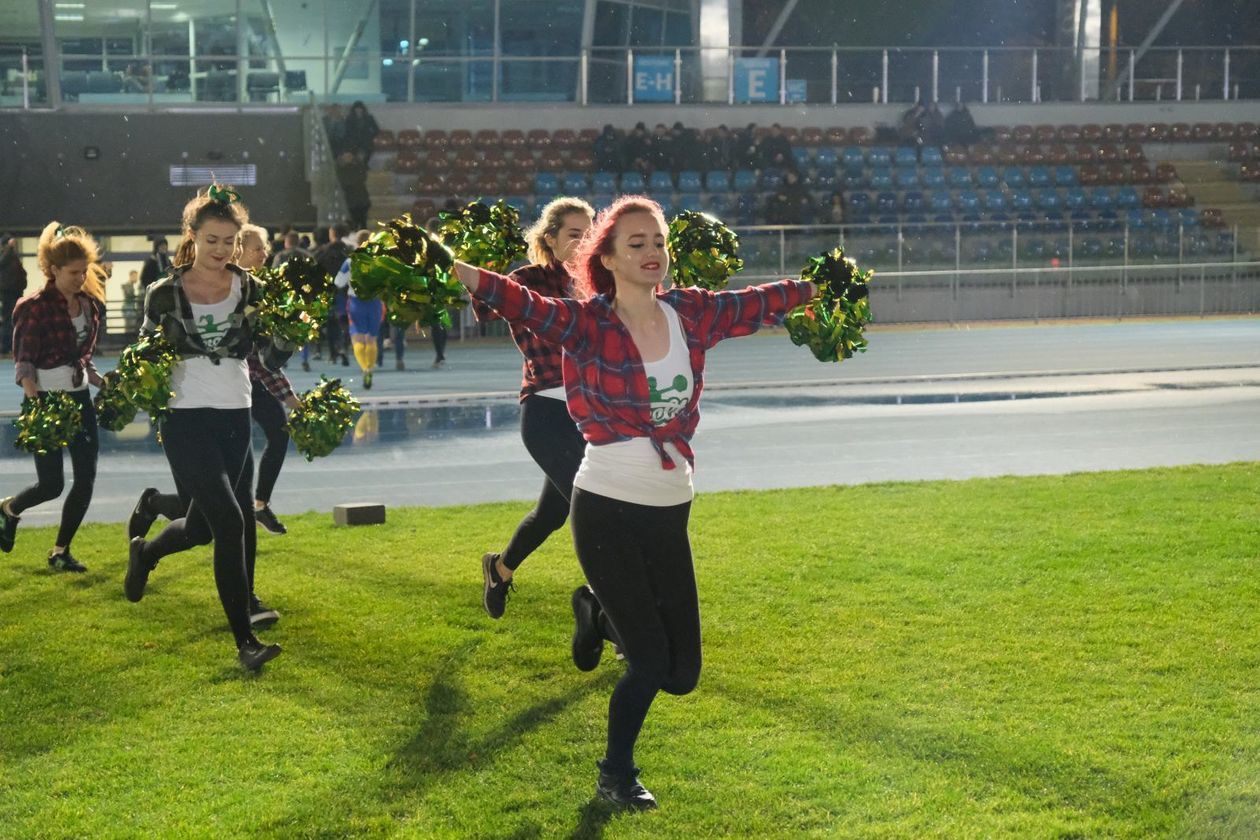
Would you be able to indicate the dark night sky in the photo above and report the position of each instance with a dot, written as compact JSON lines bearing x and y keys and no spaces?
{"x":990,"y":22}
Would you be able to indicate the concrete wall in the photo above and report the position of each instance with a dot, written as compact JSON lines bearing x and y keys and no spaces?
{"x":44,"y":174}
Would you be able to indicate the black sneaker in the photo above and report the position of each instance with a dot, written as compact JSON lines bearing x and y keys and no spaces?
{"x":306,"y":366}
{"x":64,"y":562}
{"x":261,"y":615}
{"x":142,"y":515}
{"x":8,"y":526}
{"x":623,"y":789}
{"x":137,"y":571}
{"x":367,"y":381}
{"x":253,"y":654}
{"x":398,"y":365}
{"x":588,"y":642}
{"x":345,"y":360}
{"x":495,"y":590}
{"x":264,"y":517}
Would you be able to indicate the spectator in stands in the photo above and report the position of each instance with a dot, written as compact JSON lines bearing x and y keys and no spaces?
{"x":960,"y":127}
{"x":933,"y":125}
{"x":774,"y":150}
{"x":12,"y":287}
{"x":352,"y":173}
{"x":791,"y":203}
{"x":360,"y":132}
{"x":687,"y":149}
{"x":330,"y":258}
{"x":637,"y":146}
{"x":660,"y":155}
{"x":910,"y":132}
{"x":609,"y":151}
{"x":835,"y":212}
{"x":718,"y":152}
{"x":335,"y":128}
{"x":136,"y":78}
{"x":155,"y":265}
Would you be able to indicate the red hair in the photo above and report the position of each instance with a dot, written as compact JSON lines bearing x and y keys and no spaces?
{"x":585,"y":266}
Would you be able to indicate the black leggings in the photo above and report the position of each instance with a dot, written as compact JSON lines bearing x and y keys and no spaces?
{"x":50,"y":475}
{"x":268,"y":413}
{"x":439,"y":342}
{"x":637,"y":559}
{"x":209,"y":453}
{"x":556,"y":445}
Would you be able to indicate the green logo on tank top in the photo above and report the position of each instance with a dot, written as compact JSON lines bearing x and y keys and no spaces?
{"x":211,"y":330}
{"x":667,"y":402}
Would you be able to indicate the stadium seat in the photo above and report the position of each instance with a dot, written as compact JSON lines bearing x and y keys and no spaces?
{"x":771,"y":178}
{"x":689,"y":181}
{"x":604,"y":182}
{"x":906,"y":179}
{"x":987,"y":177}
{"x":801,"y":156}
{"x":1013,"y":177}
{"x":717,"y":180}
{"x":812,"y":136}
{"x":994,"y":201}
{"x":660,"y":182}
{"x":1074,"y":198}
{"x":1021,"y":200}
{"x":546,"y":183}
{"x":853,"y":159}
{"x":825,"y":157}
{"x":1069,"y":133}
{"x":690,"y":203}
{"x":745,"y":180}
{"x":1065,"y":176}
{"x":1188,"y":217}
{"x":905,"y":156}
{"x":1102,"y":198}
{"x":1048,"y":200}
{"x":575,"y":182}
{"x":933,"y":178}
{"x":914,"y":202}
{"x":747,"y":207}
{"x":880,"y":179}
{"x":968,"y":201}
{"x":1127,"y":197}
{"x":931,"y":156}
{"x":959,"y":177}
{"x":719,"y":204}
{"x":886,"y":202}
{"x":825,"y":180}
{"x":1039,"y":177}
{"x":941,"y":202}
{"x":1113,"y":133}
{"x":879,"y":156}
{"x":633,"y":182}
{"x":512,"y":138}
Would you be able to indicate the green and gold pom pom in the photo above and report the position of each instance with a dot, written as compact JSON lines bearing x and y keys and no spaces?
{"x":411,"y":271}
{"x":114,"y":411}
{"x":487,"y":236}
{"x":141,"y":382}
{"x":321,"y":420}
{"x":48,"y":422}
{"x":832,"y":325}
{"x":295,"y":301}
{"x":703,"y":252}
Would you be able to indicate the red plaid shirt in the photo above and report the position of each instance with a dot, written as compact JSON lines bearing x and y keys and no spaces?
{"x":604,"y":381}
{"x":276,"y":382}
{"x":44,"y":336}
{"x":542,"y":368}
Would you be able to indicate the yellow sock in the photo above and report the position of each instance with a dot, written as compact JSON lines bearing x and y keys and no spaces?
{"x":363,"y":355}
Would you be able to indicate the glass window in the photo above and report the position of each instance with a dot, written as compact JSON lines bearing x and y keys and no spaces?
{"x":678,"y":30}
{"x":529,"y":27}
{"x":454,"y":27}
{"x":647,"y":27}
{"x":612,"y":24}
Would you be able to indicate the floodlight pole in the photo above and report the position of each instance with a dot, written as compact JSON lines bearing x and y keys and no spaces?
{"x":344,"y":62}
{"x":1135,"y":57}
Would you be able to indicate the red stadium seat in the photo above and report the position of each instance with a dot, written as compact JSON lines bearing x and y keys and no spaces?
{"x":1022,"y":133}
{"x":493,"y":160}
{"x":430,"y":183}
{"x":512,"y":139}
{"x":811,"y":136}
{"x":538,"y":138}
{"x":1180,"y":132}
{"x":793,"y":134}
{"x":458,"y":185}
{"x":980,"y":154}
{"x":487,"y":185}
{"x":1133,"y":153}
{"x":461,"y":138}
{"x":1115,"y":173}
{"x":1032,"y":155}
{"x":1165,"y":172}
{"x":1001,"y":134}
{"x":1225,"y":131}
{"x":1091,"y":133}
{"x":1045,"y":134}
{"x":1089,"y":175}
{"x":422,"y":210}
{"x":1211,"y":217}
{"x":1154,"y":197}
{"x":582,"y":160}
{"x":563,"y":138}
{"x":1139,"y":173}
{"x":1058,"y":154}
{"x":466,"y":160}
{"x":1157,"y":132}
{"x":552,"y":161}
{"x":1106,"y":153}
{"x":385,"y":141}
{"x":1136,"y":132}
{"x":1178,"y":197}
{"x":1203,"y":132}
{"x":486,"y":138}
{"x":1113,"y":133}
{"x":1084,"y":153}
{"x":1006,"y":155}
{"x":409,"y":138}
{"x":435,"y":140}
{"x":858,"y":136}
{"x":518,"y":184}
{"x":1239,"y":152}
{"x":1069,"y":133}
{"x":587,"y":137}
{"x":1246,"y":131}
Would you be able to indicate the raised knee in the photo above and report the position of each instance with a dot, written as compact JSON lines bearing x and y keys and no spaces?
{"x":682,"y":681}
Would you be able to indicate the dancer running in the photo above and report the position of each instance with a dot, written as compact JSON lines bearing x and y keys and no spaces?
{"x":271,"y":392}
{"x":365,"y":317}
{"x":549,"y":433}
{"x":54,"y":337}
{"x":633,"y":372}
{"x":204,"y":309}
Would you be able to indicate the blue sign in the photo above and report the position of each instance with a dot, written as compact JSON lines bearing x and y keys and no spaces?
{"x":653,"y":78}
{"x":795,"y":90}
{"x":756,"y":80}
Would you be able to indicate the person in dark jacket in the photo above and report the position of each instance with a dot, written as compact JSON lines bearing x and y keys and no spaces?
{"x":330,"y":257}
{"x":12,"y":285}
{"x":156,"y":264}
{"x":359,"y":132}
{"x":352,"y":173}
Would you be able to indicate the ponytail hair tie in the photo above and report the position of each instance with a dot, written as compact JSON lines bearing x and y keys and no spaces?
{"x":222,"y":195}
{"x":61,"y":232}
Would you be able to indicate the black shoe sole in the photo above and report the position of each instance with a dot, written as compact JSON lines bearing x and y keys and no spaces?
{"x":141,"y":521}
{"x":264,"y":619}
{"x":616,"y":801}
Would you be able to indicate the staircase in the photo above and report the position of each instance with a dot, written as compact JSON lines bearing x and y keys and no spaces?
{"x":1216,"y":185}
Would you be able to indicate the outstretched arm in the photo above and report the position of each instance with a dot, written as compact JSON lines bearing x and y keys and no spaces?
{"x":555,"y":320}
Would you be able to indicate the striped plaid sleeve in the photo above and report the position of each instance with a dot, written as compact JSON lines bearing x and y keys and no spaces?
{"x":555,"y":320}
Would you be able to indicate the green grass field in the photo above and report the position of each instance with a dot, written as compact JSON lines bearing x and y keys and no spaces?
{"x":1049,"y":657}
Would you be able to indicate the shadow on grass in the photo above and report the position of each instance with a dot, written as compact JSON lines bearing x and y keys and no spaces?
{"x":592,"y":819}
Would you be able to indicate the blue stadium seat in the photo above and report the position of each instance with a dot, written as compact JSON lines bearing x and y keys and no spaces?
{"x":931,"y":156}
{"x":1161,"y":218}
{"x":689,"y":181}
{"x":1075,"y":199}
{"x":853,"y":180}
{"x":825,"y":157}
{"x":826,"y":180}
{"x":994,"y":201}
{"x":800,"y":154}
{"x":632,"y":182}
{"x":853,"y":159}
{"x":747,"y":208}
{"x":719,"y":204}
{"x":933,"y":178}
{"x":943,"y":218}
{"x":1013,"y":177}
{"x":690,"y":202}
{"x":968,"y":202}
{"x":906,"y":179}
{"x":601,"y":200}
{"x":1102,"y":198}
{"x":1065,"y":176}
{"x":717,"y":180}
{"x":1089,"y":246}
{"x":1127,"y":197}
{"x":1038,"y":177}
{"x":959,"y":177}
{"x":771,"y":178}
{"x":914,"y":202}
{"x":520,"y":202}
{"x":1135,"y":218}
{"x":604,"y":182}
{"x":987,"y":177}
{"x":1188,"y":217}
{"x":575,"y":183}
{"x":941,"y":202}
{"x":745,"y":180}
{"x":1048,"y":200}
{"x":858,"y":202}
{"x":905,"y":156}
{"x":886,"y":202}
{"x":1021,"y":200}
{"x":661,"y":182}
{"x":879,"y":156}
{"x":881,"y":179}
{"x":546,"y":183}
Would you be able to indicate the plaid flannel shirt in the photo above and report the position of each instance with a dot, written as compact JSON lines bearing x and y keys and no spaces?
{"x":542,"y":367}
{"x":604,"y":381}
{"x":276,"y":382}
{"x":44,"y":336}
{"x":167,"y":310}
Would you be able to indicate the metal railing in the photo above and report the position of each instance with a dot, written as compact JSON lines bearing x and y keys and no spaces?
{"x":606,"y":75}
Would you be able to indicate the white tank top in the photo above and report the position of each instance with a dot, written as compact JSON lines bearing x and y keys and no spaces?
{"x":199,"y":382}
{"x":631,"y":470}
{"x":61,"y":378}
